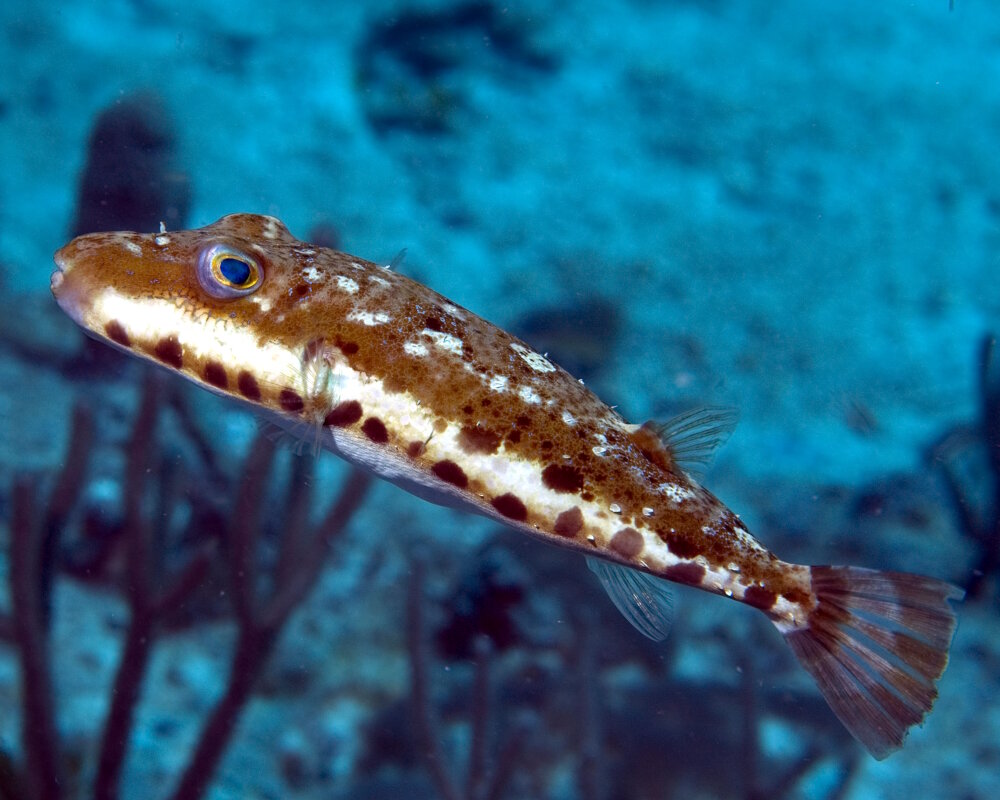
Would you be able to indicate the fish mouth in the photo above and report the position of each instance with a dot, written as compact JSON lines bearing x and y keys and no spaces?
{"x":65,"y":291}
{"x":58,"y":276}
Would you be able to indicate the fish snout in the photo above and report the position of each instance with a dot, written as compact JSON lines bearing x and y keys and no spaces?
{"x":64,"y":283}
{"x":58,"y":276}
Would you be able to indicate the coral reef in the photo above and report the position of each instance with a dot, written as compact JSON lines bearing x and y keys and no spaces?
{"x":967,"y":457}
{"x":159,"y":567}
{"x":549,"y":710}
{"x":487,"y":774}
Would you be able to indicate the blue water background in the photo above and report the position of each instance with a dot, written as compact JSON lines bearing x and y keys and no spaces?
{"x":788,"y":207}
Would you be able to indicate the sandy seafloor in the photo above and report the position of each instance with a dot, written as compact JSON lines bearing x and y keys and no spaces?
{"x":792,"y":207}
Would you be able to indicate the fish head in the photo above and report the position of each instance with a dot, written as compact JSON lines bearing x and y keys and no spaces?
{"x":222,"y":270}
{"x":225,"y":304}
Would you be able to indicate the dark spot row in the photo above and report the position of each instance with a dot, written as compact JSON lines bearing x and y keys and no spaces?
{"x":170,"y":351}
{"x":472,"y":439}
{"x":759,"y":597}
{"x":561,"y":478}
{"x":508,"y":505}
{"x":349,"y":412}
{"x":116,"y":333}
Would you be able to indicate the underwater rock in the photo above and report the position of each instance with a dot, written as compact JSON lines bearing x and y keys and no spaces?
{"x":416,"y":68}
{"x":131,"y":180}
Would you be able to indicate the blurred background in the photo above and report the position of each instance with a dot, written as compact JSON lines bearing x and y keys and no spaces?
{"x":789,"y":207}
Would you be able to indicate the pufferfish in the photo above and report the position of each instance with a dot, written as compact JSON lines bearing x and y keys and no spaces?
{"x":399,"y":380}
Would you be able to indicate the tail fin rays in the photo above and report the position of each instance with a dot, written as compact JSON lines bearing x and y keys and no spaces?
{"x":875,"y":643}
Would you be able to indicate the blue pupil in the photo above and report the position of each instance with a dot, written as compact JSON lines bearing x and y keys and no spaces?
{"x":234,"y":270}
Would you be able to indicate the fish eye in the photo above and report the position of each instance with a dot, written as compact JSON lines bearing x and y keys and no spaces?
{"x":234,"y":270}
{"x":227,"y":273}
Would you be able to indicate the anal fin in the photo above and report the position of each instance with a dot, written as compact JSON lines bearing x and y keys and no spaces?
{"x":645,"y":601}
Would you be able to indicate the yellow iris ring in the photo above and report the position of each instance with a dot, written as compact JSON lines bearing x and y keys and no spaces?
{"x":253,"y":269}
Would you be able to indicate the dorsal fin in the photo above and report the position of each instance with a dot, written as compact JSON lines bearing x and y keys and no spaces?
{"x":689,"y":439}
{"x":397,"y":260}
{"x":645,"y":601}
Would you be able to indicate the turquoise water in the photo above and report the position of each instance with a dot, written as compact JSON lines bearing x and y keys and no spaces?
{"x":791,"y":208}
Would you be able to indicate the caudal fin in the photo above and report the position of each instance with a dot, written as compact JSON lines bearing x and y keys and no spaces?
{"x":876,"y":642}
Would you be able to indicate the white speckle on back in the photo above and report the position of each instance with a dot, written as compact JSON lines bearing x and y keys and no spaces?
{"x":367,"y":317}
{"x":529,"y":395}
{"x":568,"y":418}
{"x":746,"y":539}
{"x":455,"y":311}
{"x":379,"y":280}
{"x":271,"y":228}
{"x":162,"y":240}
{"x":312,"y":275}
{"x":599,"y":450}
{"x":444,"y":340}
{"x":415,"y":349}
{"x":133,"y":248}
{"x":675,"y":493}
{"x":498,"y":383}
{"x":346,"y":284}
{"x":534,"y":360}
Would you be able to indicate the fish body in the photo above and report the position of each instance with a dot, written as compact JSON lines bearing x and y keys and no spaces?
{"x":399,"y":380}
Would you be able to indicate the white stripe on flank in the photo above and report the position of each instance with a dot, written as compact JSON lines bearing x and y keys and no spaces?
{"x":216,"y":338}
{"x":207,"y":337}
{"x":499,"y":473}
